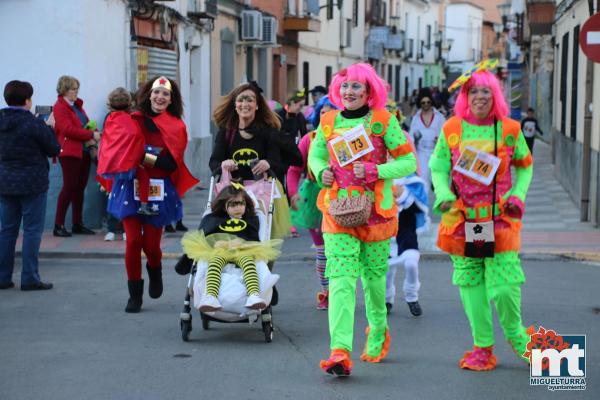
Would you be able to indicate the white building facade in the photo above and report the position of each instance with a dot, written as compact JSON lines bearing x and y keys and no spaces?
{"x":106,"y":44}
{"x":464,"y":24}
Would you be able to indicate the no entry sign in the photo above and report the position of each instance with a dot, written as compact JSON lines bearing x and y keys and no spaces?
{"x":589,"y":38}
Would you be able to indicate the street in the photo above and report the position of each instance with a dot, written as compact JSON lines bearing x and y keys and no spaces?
{"x":75,"y":341}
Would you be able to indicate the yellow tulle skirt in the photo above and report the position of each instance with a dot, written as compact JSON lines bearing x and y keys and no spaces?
{"x":202,"y":248}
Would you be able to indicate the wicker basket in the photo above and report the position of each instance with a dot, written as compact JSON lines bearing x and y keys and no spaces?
{"x":350,"y":212}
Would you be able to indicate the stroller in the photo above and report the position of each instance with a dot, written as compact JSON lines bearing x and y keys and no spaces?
{"x":232,"y":293}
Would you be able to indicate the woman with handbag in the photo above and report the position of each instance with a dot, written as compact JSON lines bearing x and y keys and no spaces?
{"x":355,"y":156}
{"x":246,"y":144}
{"x":78,"y":137}
{"x":481,"y":209}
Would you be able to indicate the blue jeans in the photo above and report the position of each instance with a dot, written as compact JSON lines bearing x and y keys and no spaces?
{"x":32,"y":209}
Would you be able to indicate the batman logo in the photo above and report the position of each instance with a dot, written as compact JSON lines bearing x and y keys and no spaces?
{"x":244,"y":156}
{"x":233,"y":225}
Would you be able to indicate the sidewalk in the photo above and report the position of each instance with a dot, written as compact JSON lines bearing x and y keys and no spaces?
{"x":551,"y":227}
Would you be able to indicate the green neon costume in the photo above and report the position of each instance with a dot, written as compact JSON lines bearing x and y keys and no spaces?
{"x":482,"y":280}
{"x":360,"y":251}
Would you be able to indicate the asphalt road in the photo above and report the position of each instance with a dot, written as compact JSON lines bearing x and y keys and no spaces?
{"x":75,"y":341}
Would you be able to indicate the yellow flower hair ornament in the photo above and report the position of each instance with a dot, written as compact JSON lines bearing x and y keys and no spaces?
{"x":237,"y":186}
{"x":484,"y":65}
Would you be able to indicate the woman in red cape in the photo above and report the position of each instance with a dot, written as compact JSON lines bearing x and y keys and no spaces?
{"x":159,"y":118}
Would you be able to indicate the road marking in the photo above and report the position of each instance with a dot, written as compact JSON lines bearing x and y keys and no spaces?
{"x":593,"y":37}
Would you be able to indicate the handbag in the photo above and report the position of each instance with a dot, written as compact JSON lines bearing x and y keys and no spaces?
{"x":351,"y":212}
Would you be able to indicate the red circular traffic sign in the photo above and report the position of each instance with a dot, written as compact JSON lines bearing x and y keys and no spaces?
{"x":589,"y":38}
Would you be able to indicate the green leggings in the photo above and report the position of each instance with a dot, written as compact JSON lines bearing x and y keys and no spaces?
{"x":215,"y":268}
{"x":347,"y":259}
{"x":496,"y":279}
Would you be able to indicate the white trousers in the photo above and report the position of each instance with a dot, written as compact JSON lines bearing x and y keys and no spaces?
{"x":410,"y":260}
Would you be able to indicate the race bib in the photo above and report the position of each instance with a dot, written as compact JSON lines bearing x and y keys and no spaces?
{"x":477,"y":165}
{"x":156,"y":190}
{"x":352,"y":145}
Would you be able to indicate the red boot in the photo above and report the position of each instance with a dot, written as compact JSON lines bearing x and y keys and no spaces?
{"x":479,"y":359}
{"x":385,"y":348}
{"x":338,"y":363}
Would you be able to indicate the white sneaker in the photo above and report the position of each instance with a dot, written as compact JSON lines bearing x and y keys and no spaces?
{"x":209,"y":303}
{"x":109,"y":237}
{"x":255,"y":302}
{"x":124,"y":237}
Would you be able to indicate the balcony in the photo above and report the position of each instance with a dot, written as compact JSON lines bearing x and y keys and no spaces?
{"x":302,"y":16}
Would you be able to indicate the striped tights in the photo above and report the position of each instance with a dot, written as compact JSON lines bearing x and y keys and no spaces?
{"x":215,"y":268}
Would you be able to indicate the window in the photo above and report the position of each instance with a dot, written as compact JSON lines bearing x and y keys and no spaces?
{"x":397,"y":81}
{"x":354,"y":13}
{"x":390,"y":75}
{"x":305,"y":81}
{"x":574,"y":74}
{"x":563,"y":83}
{"x":428,"y":37}
{"x":329,"y":9}
{"x":328,"y":73}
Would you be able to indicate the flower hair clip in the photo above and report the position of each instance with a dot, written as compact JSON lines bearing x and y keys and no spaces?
{"x":484,"y":65}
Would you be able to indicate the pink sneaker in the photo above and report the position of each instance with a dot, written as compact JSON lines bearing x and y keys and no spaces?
{"x":323,"y":300}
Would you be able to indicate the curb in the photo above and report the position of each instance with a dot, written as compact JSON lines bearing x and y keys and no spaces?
{"x":435,"y":256}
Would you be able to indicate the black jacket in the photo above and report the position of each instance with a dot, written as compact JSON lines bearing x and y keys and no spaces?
{"x":230,"y":145}
{"x":247,"y":229}
{"x":25,"y":145}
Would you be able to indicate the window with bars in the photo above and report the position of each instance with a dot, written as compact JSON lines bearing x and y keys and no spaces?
{"x":329,"y":9}
{"x":355,"y":13}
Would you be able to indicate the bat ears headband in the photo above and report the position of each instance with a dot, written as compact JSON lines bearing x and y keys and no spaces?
{"x":484,"y":65}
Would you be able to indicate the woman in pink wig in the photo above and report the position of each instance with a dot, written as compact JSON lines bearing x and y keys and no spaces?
{"x":358,"y":151}
{"x":481,"y":209}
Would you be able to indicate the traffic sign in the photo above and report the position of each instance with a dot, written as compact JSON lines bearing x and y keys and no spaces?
{"x":589,"y":38}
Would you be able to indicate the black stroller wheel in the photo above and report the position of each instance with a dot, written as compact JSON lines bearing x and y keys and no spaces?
{"x":205,"y":322}
{"x":186,"y":328}
{"x":268,"y":331}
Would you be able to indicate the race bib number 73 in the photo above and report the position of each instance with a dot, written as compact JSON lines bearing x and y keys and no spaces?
{"x":352,"y":145}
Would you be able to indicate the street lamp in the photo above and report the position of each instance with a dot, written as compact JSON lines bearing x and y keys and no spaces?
{"x":504,"y":10}
{"x":498,"y":28}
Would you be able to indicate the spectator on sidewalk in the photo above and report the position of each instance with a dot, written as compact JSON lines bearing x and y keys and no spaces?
{"x":25,"y":145}
{"x":76,"y":134}
{"x":529,"y":126}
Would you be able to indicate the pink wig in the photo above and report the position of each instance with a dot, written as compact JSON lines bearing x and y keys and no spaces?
{"x":365,"y":74}
{"x":482,"y":78}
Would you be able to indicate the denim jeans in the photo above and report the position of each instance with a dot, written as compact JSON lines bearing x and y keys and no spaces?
{"x":32,"y":210}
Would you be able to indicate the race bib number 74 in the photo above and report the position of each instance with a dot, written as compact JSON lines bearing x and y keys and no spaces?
{"x":477,"y":165}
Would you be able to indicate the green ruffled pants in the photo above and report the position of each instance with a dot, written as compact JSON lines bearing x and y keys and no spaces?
{"x":496,"y":279}
{"x":347,"y":259}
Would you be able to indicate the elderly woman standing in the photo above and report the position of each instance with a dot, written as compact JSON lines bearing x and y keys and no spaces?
{"x":482,"y":208}
{"x":356,"y":154}
{"x":75,"y":133}
{"x":160,"y":109}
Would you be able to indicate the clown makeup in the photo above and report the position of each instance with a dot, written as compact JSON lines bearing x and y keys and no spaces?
{"x":245,"y":105}
{"x":236,"y":207}
{"x":160,"y":99}
{"x":354,"y":94}
{"x":480,"y":101}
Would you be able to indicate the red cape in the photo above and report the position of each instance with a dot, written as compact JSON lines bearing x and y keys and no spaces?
{"x":174,"y":134}
{"x":122,"y":145}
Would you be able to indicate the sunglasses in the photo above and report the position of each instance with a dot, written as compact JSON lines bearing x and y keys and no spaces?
{"x":425,"y":102}
{"x":235,"y":203}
